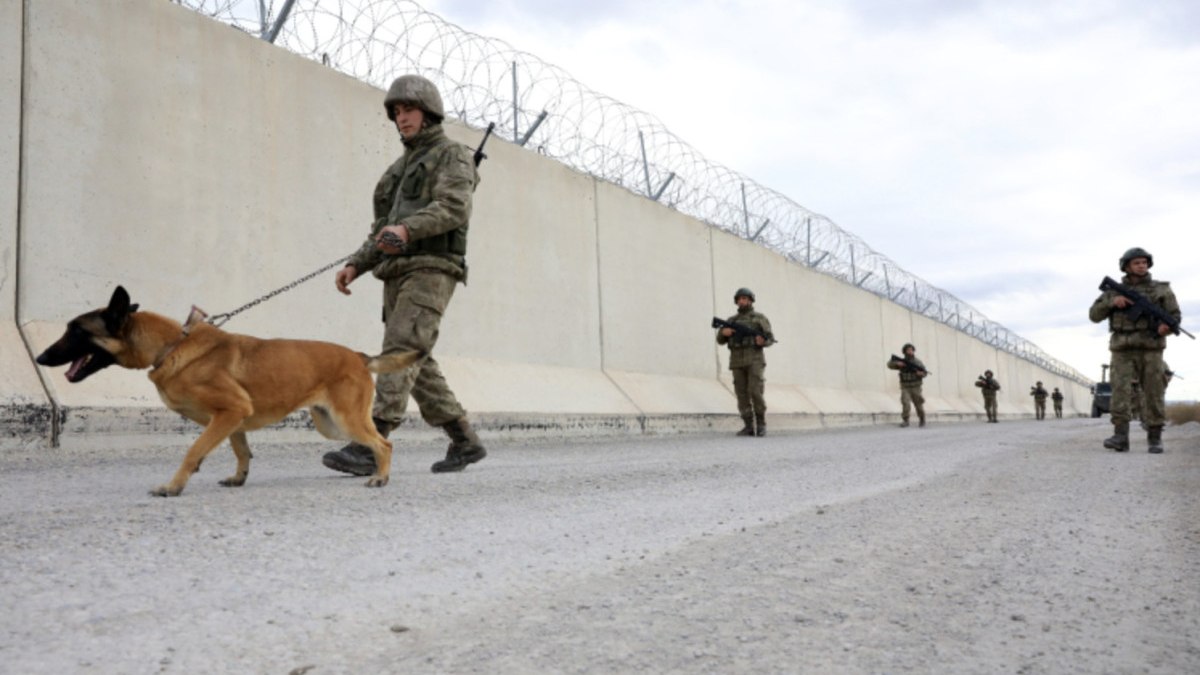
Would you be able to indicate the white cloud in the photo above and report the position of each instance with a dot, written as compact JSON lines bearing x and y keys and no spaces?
{"x":1005,"y":151}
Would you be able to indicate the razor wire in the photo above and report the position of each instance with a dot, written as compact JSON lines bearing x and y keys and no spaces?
{"x":536,"y":104}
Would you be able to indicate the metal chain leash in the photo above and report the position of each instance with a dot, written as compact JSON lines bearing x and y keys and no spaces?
{"x":219,"y":320}
{"x":387,"y":238}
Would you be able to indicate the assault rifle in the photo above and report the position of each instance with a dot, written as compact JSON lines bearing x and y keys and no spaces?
{"x":982,"y":382}
{"x":396,"y":242}
{"x":744,"y":331}
{"x":909,"y":366}
{"x":1143,"y":307}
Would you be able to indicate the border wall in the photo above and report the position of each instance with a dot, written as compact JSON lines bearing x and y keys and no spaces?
{"x":147,"y":146}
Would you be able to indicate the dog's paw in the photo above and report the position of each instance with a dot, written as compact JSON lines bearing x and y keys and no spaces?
{"x":377,"y":481}
{"x":233,"y":481}
{"x":167,"y":490}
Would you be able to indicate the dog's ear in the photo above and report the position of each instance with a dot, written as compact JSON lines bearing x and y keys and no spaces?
{"x":118,"y":311}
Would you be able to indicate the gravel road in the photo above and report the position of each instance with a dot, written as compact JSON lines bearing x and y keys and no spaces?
{"x":1021,"y":547}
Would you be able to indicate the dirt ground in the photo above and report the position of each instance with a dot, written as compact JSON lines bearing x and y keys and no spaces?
{"x":1020,"y":547}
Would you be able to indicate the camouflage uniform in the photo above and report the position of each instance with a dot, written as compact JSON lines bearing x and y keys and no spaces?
{"x":1135,"y":400}
{"x":989,"y":385}
{"x":428,"y":190}
{"x":1039,"y":395}
{"x":747,"y":364}
{"x":910,"y":389}
{"x":1137,"y":355}
{"x":1057,"y":397}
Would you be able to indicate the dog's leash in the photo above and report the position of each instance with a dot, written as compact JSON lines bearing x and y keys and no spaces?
{"x":219,"y":320}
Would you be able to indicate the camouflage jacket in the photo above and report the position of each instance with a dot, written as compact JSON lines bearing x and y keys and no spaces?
{"x":742,"y":350}
{"x":989,"y":385}
{"x":429,"y":189}
{"x":1039,"y":393}
{"x":1126,"y":333}
{"x":908,"y":378}
{"x":1057,"y":397}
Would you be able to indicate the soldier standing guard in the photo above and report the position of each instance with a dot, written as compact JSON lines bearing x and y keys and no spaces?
{"x":912,"y":371}
{"x":1057,"y":397}
{"x":989,"y":385}
{"x":1039,"y":395}
{"x":747,"y":362}
{"x":424,"y":201}
{"x":1137,"y":343}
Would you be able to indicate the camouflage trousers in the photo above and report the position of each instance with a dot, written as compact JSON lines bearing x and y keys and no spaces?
{"x":989,"y":406}
{"x":748,"y":384}
{"x":413,"y":306}
{"x":1039,"y":408}
{"x":1146,"y":367}
{"x":1058,"y":408}
{"x":910,"y":397}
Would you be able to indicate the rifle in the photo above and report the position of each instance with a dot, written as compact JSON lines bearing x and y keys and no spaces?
{"x":396,"y":242}
{"x":909,"y":366}
{"x":745,"y":331}
{"x":982,"y":382}
{"x":1143,"y":307}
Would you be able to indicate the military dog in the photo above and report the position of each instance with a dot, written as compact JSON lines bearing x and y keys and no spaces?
{"x":231,"y":383}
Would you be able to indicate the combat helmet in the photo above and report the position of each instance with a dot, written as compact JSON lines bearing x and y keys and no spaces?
{"x":418,"y":91}
{"x":1137,"y":252}
{"x":743,"y":291}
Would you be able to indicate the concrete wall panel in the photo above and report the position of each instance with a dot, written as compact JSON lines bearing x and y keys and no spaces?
{"x":653,"y":258}
{"x":10,"y":152}
{"x":24,"y":412}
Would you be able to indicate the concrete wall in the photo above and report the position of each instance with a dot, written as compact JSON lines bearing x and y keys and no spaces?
{"x":195,"y":164}
{"x":23,"y":401}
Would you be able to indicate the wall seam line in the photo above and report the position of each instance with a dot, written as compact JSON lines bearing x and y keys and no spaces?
{"x":600,"y":306}
{"x":55,"y":427}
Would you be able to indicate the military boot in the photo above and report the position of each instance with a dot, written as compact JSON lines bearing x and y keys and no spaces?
{"x":748,"y":428}
{"x":760,"y":422}
{"x":1154,"y":437}
{"x":464,"y":447}
{"x":356,"y":458}
{"x":1119,"y":441}
{"x":903,"y":422}
{"x":921,"y":419}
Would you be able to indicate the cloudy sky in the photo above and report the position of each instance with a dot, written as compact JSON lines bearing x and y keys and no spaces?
{"x":1007,"y":151}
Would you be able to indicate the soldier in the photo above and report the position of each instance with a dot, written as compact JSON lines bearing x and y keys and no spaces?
{"x":1057,"y":397}
{"x":424,"y":201}
{"x":912,"y":371}
{"x":1137,"y":350}
{"x":989,"y":385}
{"x":1039,"y":395}
{"x":747,"y":362}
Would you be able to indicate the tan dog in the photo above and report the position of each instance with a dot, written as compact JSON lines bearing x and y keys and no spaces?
{"x":231,"y":383}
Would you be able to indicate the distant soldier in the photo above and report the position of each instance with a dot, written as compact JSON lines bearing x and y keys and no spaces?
{"x":912,"y":372}
{"x":989,"y":385}
{"x":1039,"y":395}
{"x":1137,"y":343}
{"x":747,"y":362}
{"x":1057,"y":397}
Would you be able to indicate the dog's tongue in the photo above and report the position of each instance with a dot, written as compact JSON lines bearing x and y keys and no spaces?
{"x":76,"y":366}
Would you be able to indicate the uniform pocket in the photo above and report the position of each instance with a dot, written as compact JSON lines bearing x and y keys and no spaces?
{"x":413,"y":183}
{"x":385,"y":193}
